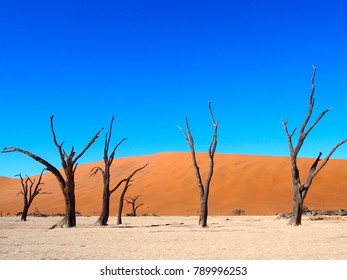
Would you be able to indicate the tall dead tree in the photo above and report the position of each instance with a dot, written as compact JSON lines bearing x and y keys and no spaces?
{"x":30,"y":189}
{"x":106,"y":173}
{"x":300,"y":189}
{"x":125,"y":189}
{"x":67,"y":182}
{"x":133,"y":200}
{"x":204,"y":189}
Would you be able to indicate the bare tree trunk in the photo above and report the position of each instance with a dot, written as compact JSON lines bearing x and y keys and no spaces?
{"x":134,"y":207}
{"x":25,"y":212}
{"x":105,"y":212}
{"x":29,"y":191}
{"x":69,"y":164}
{"x":106,"y":174}
{"x":121,"y":199}
{"x":297,"y":211}
{"x":204,"y":189}
{"x":121,"y":204}
{"x":203,"y":211}
{"x":300,"y":190}
{"x":133,"y":211}
{"x":70,"y":205}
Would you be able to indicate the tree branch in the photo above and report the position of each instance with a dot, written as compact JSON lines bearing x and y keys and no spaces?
{"x":305,"y":187}
{"x":49,"y":166}
{"x":135,"y":171}
{"x":314,"y":165}
{"x":212,"y":149}
{"x":132,"y":199}
{"x":187,"y":135}
{"x":88,"y":146}
{"x":289,"y":136}
{"x":95,"y":170}
{"x":304,"y":133}
{"x":316,"y":121}
{"x":128,"y":179}
{"x":109,"y":136}
{"x":310,"y":109}
{"x":189,"y":139}
{"x":114,"y":151}
{"x":62,"y":153}
{"x":138,"y":206}
{"x":329,"y":155}
{"x":184,"y":133}
{"x":117,"y":186}
{"x":211,"y":113}
{"x":27,"y":187}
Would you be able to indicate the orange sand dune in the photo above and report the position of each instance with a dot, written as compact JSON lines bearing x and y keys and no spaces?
{"x":260,"y":185}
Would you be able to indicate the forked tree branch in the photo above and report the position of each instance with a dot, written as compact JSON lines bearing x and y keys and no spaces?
{"x":212,"y":148}
{"x":303,"y":134}
{"x":289,"y":136}
{"x":108,"y":137}
{"x":128,"y":179}
{"x":62,"y":153}
{"x":29,"y":189}
{"x":324,"y":162}
{"x":211,"y":151}
{"x":65,"y":158}
{"x":301,"y":190}
{"x":131,"y":199}
{"x":189,"y":139}
{"x":87,"y":147}
{"x":118,"y":185}
{"x":111,"y":158}
{"x":95,"y":170}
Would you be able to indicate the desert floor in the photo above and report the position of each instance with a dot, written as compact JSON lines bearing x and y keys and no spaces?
{"x":174,"y":238}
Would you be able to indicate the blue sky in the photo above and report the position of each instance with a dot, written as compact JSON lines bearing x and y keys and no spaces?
{"x":151,"y":63}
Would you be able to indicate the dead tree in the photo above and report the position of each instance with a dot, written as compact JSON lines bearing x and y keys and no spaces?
{"x":204,"y":189}
{"x":121,"y":198}
{"x":30,"y":189}
{"x":106,"y":173}
{"x":67,"y":182}
{"x":132,"y":200}
{"x":300,"y":189}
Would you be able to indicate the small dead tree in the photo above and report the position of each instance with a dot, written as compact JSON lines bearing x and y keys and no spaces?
{"x":30,"y":189}
{"x":106,"y":173}
{"x":300,"y":189}
{"x":204,"y":189}
{"x":67,"y":183}
{"x":133,"y":200}
{"x":121,"y":198}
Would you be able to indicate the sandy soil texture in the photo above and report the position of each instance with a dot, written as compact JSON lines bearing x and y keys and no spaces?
{"x":174,"y":238}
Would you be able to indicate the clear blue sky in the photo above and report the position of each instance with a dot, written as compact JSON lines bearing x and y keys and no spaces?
{"x":151,"y":63}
